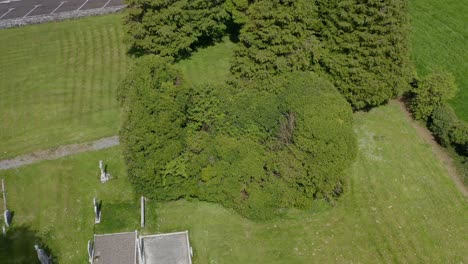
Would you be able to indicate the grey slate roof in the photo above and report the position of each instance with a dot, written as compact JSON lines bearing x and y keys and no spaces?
{"x":119,"y":248}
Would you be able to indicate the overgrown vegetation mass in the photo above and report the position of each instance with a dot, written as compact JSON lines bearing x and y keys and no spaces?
{"x":278,"y":133}
{"x":245,"y":149}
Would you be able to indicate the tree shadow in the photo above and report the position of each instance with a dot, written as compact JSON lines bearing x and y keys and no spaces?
{"x":17,"y":246}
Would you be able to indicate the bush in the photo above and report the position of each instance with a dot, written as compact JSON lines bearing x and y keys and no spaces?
{"x":250,"y":150}
{"x":449,"y":130}
{"x":152,"y":133}
{"x":173,"y":27}
{"x":323,"y":141}
{"x":434,"y":90}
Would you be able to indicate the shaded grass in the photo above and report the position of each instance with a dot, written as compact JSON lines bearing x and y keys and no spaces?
{"x":209,"y":64}
{"x":439,"y":37}
{"x":400,"y":206}
{"x":58,"y":83}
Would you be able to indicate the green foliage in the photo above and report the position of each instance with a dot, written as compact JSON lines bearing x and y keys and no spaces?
{"x":154,"y":99}
{"x":238,"y":9}
{"x":323,"y":141}
{"x":434,"y":90}
{"x":219,"y":144}
{"x":449,"y":129}
{"x":205,"y":108}
{"x":277,"y":37}
{"x":365,"y":49}
{"x":173,"y":27}
{"x":452,"y":133}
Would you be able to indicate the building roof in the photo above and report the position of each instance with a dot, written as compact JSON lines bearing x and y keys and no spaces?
{"x":119,"y":248}
{"x":172,"y":248}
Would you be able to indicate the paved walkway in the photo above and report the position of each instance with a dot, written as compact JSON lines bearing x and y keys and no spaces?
{"x":58,"y":152}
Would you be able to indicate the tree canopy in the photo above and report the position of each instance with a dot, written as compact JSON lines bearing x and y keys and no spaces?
{"x":173,"y":27}
{"x":276,"y":37}
{"x":365,"y":49}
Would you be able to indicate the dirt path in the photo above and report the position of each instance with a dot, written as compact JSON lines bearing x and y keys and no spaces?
{"x":437,"y":149}
{"x":58,"y":152}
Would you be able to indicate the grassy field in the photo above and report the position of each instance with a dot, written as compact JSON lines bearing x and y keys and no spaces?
{"x":58,"y":83}
{"x":400,"y":207}
{"x":439,"y":37}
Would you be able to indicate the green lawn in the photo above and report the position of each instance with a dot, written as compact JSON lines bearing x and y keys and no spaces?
{"x":439,"y":37}
{"x":53,"y":199}
{"x":209,"y":64}
{"x":400,"y":207}
{"x":58,"y":82}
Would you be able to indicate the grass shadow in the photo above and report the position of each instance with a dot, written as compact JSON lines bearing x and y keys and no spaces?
{"x":17,"y":246}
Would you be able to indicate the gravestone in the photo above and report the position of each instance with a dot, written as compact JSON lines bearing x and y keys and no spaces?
{"x":7,"y":217}
{"x":104,"y":175}
{"x":97,"y":211}
{"x":90,"y":251}
{"x":42,"y":256}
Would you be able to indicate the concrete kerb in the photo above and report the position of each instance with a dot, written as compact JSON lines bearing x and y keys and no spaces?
{"x":18,"y":22}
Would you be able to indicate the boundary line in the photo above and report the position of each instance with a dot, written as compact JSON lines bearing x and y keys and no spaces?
{"x":61,"y":3}
{"x":106,"y":3}
{"x":9,"y":10}
{"x":34,"y":8}
{"x":83,"y":4}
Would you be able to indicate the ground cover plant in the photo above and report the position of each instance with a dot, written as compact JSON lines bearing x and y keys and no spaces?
{"x":400,"y":206}
{"x":58,"y":83}
{"x":439,"y":36}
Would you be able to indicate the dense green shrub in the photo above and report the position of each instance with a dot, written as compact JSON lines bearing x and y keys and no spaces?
{"x":323,"y":142}
{"x":154,"y":98}
{"x":251,"y":150}
{"x":276,"y":37}
{"x":365,"y":48}
{"x":434,"y":90}
{"x":173,"y":27}
{"x":449,"y":129}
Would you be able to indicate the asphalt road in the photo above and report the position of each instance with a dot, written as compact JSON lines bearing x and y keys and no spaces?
{"x":27,"y":8}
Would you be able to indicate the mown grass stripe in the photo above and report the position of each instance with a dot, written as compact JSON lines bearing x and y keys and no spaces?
{"x":48,"y":97}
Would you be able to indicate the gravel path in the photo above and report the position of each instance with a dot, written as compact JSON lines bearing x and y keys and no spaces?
{"x":59,"y":152}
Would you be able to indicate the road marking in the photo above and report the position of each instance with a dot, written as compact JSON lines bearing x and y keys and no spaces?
{"x":61,"y":3}
{"x":8,"y":1}
{"x":34,"y":8}
{"x":9,"y":10}
{"x":106,"y":4}
{"x":82,"y":5}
